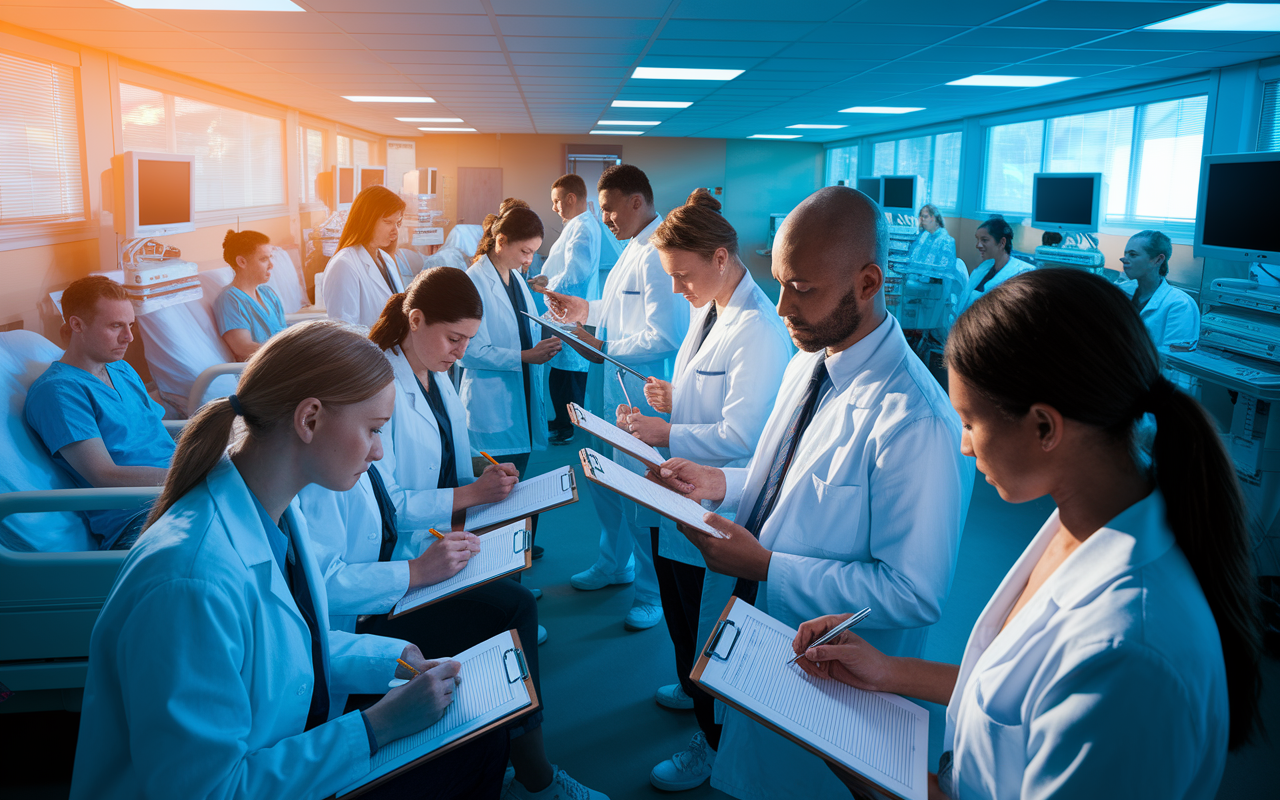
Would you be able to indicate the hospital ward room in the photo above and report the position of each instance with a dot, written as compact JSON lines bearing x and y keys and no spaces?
{"x":570,"y":400}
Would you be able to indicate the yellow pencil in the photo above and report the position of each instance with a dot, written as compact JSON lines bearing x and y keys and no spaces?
{"x":435,"y":533}
{"x":407,"y":666}
{"x":486,"y":455}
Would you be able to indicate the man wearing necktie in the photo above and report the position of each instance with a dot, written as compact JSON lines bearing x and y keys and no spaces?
{"x":857,"y":492}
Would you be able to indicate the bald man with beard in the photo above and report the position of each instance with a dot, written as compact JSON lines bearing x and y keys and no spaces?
{"x":857,"y":492}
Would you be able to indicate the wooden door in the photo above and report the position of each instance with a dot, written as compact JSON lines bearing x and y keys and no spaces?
{"x":479,"y":193}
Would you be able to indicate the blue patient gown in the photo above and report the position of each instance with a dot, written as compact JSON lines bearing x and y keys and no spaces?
{"x":234,"y":309}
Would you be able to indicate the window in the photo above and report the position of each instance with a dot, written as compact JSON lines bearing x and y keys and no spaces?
{"x":1269,"y":132}
{"x":935,"y":158}
{"x":1149,"y":157}
{"x":311,"y":151}
{"x":842,"y":165}
{"x":344,"y":151}
{"x":360,"y":152}
{"x":239,"y":157}
{"x":41,"y":179}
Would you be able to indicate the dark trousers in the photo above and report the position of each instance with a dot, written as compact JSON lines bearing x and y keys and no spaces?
{"x":451,"y":626}
{"x":473,"y":771}
{"x":680,"y":586}
{"x":565,"y":387}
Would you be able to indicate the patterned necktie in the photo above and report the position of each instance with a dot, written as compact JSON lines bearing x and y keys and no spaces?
{"x":782,"y":459}
{"x":387,"y":510}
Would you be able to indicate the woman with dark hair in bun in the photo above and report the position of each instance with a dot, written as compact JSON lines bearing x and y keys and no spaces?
{"x":1120,"y":655}
{"x":994,"y":240}
{"x":248,"y":312}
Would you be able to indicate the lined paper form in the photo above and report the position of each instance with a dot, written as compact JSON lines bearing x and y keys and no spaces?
{"x":615,"y":436}
{"x":501,"y":552}
{"x":529,"y":497}
{"x":612,"y":475}
{"x":484,"y":696}
{"x":880,"y":736}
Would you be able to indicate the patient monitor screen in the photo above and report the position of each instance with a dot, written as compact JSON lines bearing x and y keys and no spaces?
{"x":899,"y":193}
{"x":164,"y":192}
{"x":1239,"y":206}
{"x":346,"y":184}
{"x":1064,"y":201}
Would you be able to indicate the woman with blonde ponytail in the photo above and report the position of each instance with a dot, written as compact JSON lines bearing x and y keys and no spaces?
{"x":1120,"y":655}
{"x":213,"y":672}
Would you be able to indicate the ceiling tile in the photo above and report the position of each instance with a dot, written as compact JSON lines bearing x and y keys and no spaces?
{"x":445,"y":70}
{"x":937,"y":12}
{"x":1006,"y":55}
{"x":109,"y":40}
{"x":431,"y":24}
{"x":46,"y":17}
{"x":809,"y":11}
{"x":562,"y":44}
{"x":1092,"y":14}
{"x":1026,"y":37}
{"x":573,"y":59}
{"x":399,"y":41}
{"x":278,"y":21}
{"x":638,"y":9}
{"x":587,"y":26}
{"x":692,"y":47}
{"x":282,"y":41}
{"x":439,"y":57}
{"x":701,"y":30}
{"x":398,"y":6}
{"x":1173,"y":40}
{"x":861,"y":52}
{"x":1104,"y":57}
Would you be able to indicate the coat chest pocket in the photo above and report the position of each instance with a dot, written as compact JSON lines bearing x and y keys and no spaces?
{"x":709,"y":383}
{"x":831,"y":514}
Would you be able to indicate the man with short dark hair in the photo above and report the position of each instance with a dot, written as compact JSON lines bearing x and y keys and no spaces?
{"x":93,"y":412}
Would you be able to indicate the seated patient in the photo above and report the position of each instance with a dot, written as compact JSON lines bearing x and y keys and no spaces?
{"x":92,"y":411}
{"x":248,"y":312}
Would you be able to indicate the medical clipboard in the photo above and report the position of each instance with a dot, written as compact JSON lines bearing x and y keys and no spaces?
{"x":528,"y":562}
{"x":573,"y":417}
{"x":517,"y":658}
{"x":582,"y":348}
{"x":719,"y":645}
{"x":459,"y":517}
{"x":589,"y":467}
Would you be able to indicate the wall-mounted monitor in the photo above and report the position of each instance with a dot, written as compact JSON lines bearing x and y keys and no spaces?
{"x":1066,"y":201}
{"x":1235,"y":215}
{"x":344,"y":187}
{"x":898,"y":193}
{"x":420,"y":181}
{"x":869,"y":186}
{"x":370,"y":176}
{"x":154,"y":194}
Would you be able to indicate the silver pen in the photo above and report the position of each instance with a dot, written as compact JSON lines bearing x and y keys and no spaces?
{"x":621,"y":383}
{"x":833,"y":633}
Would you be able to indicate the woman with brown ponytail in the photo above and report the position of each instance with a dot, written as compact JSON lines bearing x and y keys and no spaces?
{"x":1119,"y":657}
{"x":213,"y":672}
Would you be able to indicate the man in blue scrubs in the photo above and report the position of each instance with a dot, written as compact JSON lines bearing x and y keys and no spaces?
{"x":92,"y":411}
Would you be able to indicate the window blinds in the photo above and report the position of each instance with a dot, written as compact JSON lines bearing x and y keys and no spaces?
{"x":1013,"y":156}
{"x":41,"y":177}
{"x":842,"y":165}
{"x":1169,"y":144}
{"x":1269,"y":131}
{"x":311,"y":150}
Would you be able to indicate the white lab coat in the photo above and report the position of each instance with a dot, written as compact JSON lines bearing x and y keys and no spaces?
{"x":1015,"y":266}
{"x":354,"y":290}
{"x":346,"y":530}
{"x":1171,"y":316}
{"x":722,"y":396}
{"x":1110,"y":682}
{"x":200,"y":666}
{"x":870,"y":514}
{"x":493,"y":383}
{"x":410,"y":465}
{"x":572,"y":268}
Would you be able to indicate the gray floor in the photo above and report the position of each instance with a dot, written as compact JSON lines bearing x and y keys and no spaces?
{"x":598,"y":679}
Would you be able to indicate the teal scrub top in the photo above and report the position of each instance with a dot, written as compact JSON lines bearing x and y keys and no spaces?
{"x":234,"y":309}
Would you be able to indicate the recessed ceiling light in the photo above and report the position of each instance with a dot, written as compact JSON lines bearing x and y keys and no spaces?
{"x":449,"y":130}
{"x":818,"y":127}
{"x":1010,"y":80}
{"x":212,"y":5}
{"x":683,"y":74}
{"x":616,"y":133}
{"x":650,"y":104}
{"x":429,"y":119}
{"x":879,"y":110}
{"x":774,"y":136}
{"x":627,"y":122}
{"x":1225,"y":17}
{"x":377,"y":98}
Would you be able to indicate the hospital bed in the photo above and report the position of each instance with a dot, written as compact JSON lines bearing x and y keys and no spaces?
{"x":48,"y":600}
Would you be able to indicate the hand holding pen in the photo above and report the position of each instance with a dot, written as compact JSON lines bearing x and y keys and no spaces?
{"x":844,"y":657}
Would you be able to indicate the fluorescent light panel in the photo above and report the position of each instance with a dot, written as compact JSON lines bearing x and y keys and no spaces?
{"x":817,"y":127}
{"x":628,"y":122}
{"x":685,"y":74}
{"x":1225,"y":17}
{"x":449,"y":130}
{"x":774,"y":136}
{"x":615,"y":133}
{"x":429,"y":119}
{"x":879,"y":110}
{"x":377,"y":98}
{"x":1010,"y":80}
{"x":212,"y":5}
{"x":650,"y":104}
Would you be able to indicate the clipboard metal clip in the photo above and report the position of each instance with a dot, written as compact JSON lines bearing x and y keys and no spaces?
{"x":566,"y":481}
{"x":522,"y":668}
{"x":522,"y":541}
{"x":713,"y":645}
{"x":593,"y":460}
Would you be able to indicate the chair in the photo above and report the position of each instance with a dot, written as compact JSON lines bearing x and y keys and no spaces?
{"x":49,"y":600}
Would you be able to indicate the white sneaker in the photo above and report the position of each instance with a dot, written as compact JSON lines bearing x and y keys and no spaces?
{"x":673,"y":696}
{"x":596,"y":578}
{"x":542,"y":635}
{"x":537,"y":593}
{"x":562,"y":788}
{"x":642,"y":616}
{"x":687,"y":769}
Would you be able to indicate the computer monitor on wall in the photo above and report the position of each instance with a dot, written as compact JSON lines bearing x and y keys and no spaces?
{"x":1235,"y":216}
{"x":1066,"y":201}
{"x":869,"y":186}
{"x":370,"y":176}
{"x":898,"y":193}
{"x":345,"y":187}
{"x":154,"y":194}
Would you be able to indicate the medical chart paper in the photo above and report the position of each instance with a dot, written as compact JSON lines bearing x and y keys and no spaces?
{"x":486,"y":694}
{"x":565,"y":334}
{"x":502,"y":552}
{"x":881,"y":737}
{"x":612,"y":434}
{"x":612,"y":475}
{"x":529,"y":497}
